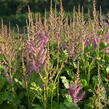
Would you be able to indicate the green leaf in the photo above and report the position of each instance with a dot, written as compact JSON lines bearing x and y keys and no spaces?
{"x":84,"y":83}
{"x":1,"y":57}
{"x":1,"y":68}
{"x":2,"y":82}
{"x":107,"y":69}
{"x":70,"y":105}
{"x":103,"y":46}
{"x":62,"y":106}
{"x":65,"y":52}
{"x":58,"y":106}
{"x":90,"y":90}
{"x":17,"y":81}
{"x":36,"y":106}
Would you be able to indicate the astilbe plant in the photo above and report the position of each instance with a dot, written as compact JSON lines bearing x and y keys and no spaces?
{"x":38,"y":54}
{"x":36,"y":51}
{"x":8,"y":49}
{"x":69,"y":35}
{"x":100,"y":101}
{"x":104,"y":24}
{"x":75,"y":93}
{"x":70,"y":50}
{"x":93,"y":40}
{"x":75,"y":89}
{"x":96,"y":40}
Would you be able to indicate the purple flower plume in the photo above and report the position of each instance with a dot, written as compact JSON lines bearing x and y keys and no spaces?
{"x":75,"y":92}
{"x":104,"y":24}
{"x":106,"y":37}
{"x":43,"y":39}
{"x":94,"y":40}
{"x":30,"y":46}
{"x":36,"y":52}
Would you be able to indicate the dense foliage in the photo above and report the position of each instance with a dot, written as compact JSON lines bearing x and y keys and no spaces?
{"x":56,"y":63}
{"x":18,"y":6}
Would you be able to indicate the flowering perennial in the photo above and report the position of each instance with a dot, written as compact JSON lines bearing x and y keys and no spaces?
{"x":36,"y":52}
{"x":75,"y":92}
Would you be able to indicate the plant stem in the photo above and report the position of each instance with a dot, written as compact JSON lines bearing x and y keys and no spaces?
{"x":51,"y":99}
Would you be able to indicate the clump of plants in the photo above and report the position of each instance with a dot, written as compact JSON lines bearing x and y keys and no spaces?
{"x":59,"y":63}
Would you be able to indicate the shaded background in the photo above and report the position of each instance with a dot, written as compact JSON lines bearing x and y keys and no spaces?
{"x":15,"y":11}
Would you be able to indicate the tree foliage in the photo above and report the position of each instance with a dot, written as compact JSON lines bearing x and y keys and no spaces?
{"x":9,"y":7}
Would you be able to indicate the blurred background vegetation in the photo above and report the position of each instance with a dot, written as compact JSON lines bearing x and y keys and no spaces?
{"x":15,"y":11}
